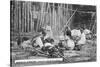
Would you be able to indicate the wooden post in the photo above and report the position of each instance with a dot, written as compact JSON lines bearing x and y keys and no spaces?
{"x":23,"y":17}
{"x":19,"y":16}
{"x":16,"y":16}
{"x":49,"y":9}
{"x":53,"y":23}
{"x":27,"y":17}
{"x":31,"y":16}
{"x":42,"y":14}
{"x":61,"y":21}
{"x":59,"y":17}
{"x":12,"y":14}
{"x":55,"y":16}
{"x":67,"y":12}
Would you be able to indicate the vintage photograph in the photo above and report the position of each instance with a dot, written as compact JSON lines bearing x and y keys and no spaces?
{"x":43,"y":33}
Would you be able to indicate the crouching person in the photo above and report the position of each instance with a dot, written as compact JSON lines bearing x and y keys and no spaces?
{"x":88,"y":34}
{"x":38,"y":42}
{"x":26,"y":43}
{"x":66,"y":42}
{"x":49,"y":47}
{"x":48,"y":43}
{"x":77,"y":37}
{"x":76,"y":34}
{"x":80,"y":42}
{"x":70,"y":44}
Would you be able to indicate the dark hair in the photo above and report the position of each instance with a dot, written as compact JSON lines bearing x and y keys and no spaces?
{"x":49,"y":40}
{"x":42,"y":30}
{"x":25,"y":39}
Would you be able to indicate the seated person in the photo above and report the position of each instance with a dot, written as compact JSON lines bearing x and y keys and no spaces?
{"x":48,"y":43}
{"x":80,"y":42}
{"x":88,"y":33}
{"x":66,"y":42}
{"x":67,"y":32}
{"x":76,"y":34}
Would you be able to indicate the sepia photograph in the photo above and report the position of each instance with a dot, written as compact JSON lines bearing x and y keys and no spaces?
{"x":44,"y":33}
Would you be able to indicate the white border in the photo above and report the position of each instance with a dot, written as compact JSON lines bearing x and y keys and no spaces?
{"x":85,"y":2}
{"x":5,"y":32}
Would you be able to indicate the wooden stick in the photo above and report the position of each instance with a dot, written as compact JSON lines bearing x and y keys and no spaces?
{"x":93,"y":26}
{"x":69,"y":20}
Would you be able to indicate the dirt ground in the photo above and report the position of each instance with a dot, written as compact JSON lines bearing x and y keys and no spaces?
{"x":86,"y":54}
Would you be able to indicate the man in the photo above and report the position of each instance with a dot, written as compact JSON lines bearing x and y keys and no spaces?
{"x":87,"y":32}
{"x":76,"y":34}
{"x":45,"y":39}
{"x":67,"y":31}
{"x":49,"y":33}
{"x":81,"y":41}
{"x":66,"y":39}
{"x":39,"y":41}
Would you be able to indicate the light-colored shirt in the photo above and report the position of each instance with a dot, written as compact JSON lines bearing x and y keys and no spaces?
{"x":48,"y":44}
{"x":82,"y":39}
{"x":86,"y":31}
{"x":39,"y":42}
{"x":70,"y":44}
{"x":75,"y":32}
{"x":49,"y":32}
